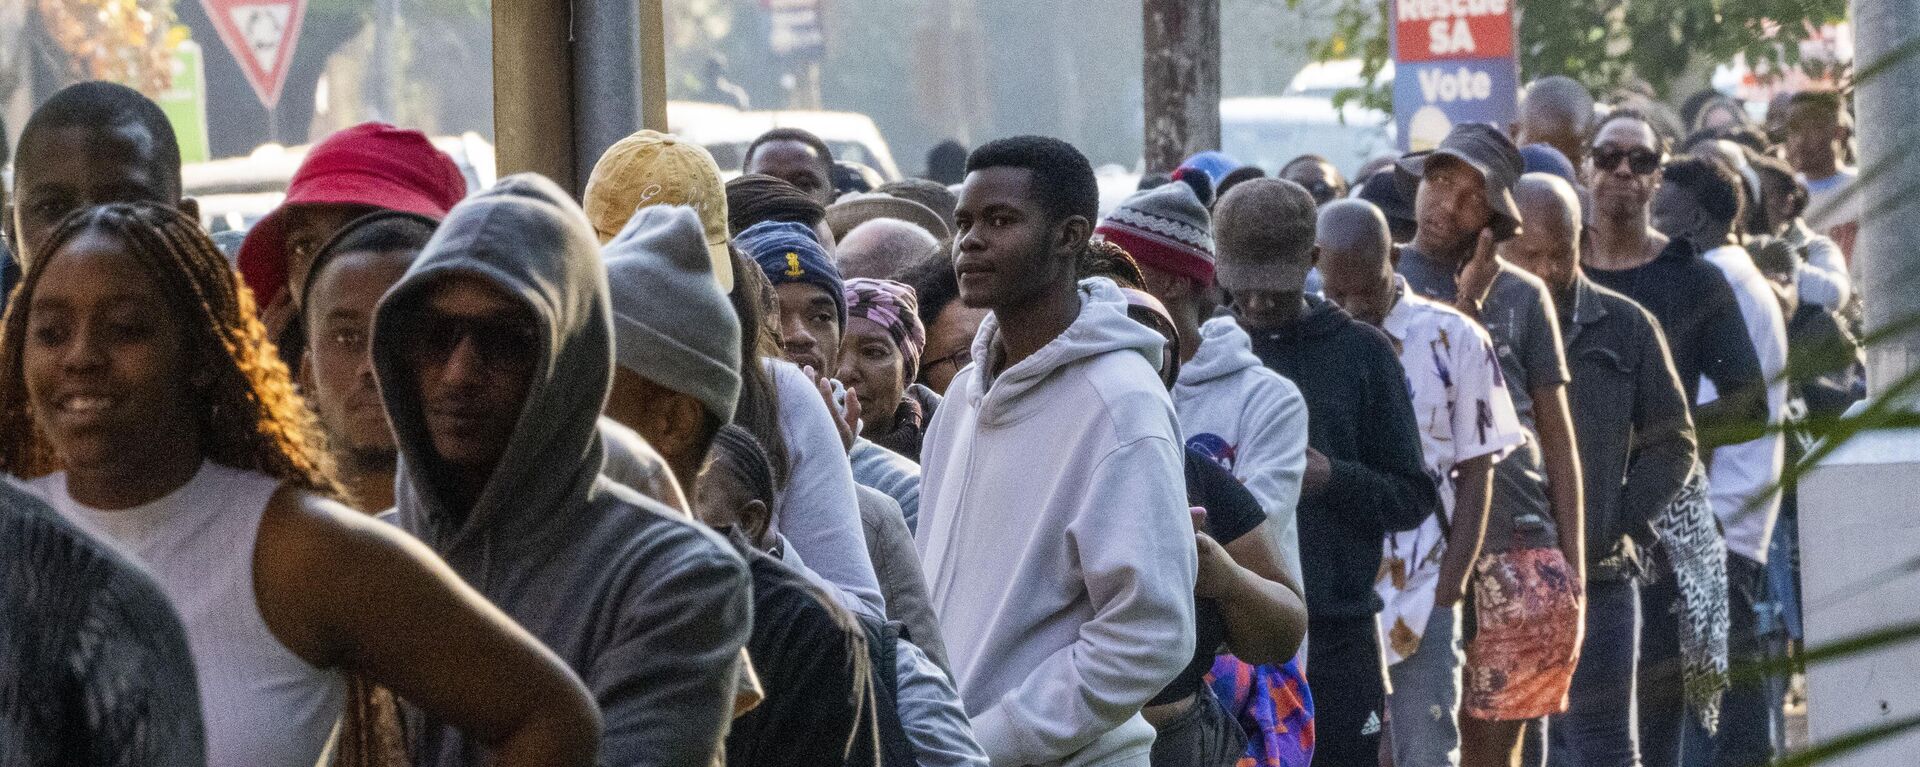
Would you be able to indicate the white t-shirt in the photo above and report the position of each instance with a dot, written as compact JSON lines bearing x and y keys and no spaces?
{"x":1829,"y":203}
{"x":1741,"y":473}
{"x":1464,"y":411}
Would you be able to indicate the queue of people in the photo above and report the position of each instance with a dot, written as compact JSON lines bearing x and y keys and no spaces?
{"x":1473,"y":460}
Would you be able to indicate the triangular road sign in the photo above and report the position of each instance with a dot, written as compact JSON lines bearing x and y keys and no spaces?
{"x":261,"y":35}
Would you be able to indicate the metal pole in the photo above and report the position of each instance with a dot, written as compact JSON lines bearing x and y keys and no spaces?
{"x":533,"y":89}
{"x":1888,"y":107}
{"x":381,"y":93}
{"x":606,"y":60}
{"x":1181,"y":79}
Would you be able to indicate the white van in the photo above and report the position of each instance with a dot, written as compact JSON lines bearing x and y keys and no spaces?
{"x":1270,"y":130}
{"x":726,"y":132}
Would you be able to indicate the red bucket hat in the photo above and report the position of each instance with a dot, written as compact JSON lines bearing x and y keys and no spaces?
{"x":368,"y":164}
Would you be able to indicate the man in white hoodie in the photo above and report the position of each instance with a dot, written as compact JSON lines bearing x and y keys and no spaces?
{"x":1053,"y":527}
{"x":1247,"y":418}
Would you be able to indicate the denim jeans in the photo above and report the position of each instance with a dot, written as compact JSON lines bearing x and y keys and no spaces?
{"x":1663,"y":706}
{"x":1207,"y":735}
{"x":1424,"y":707}
{"x":1599,"y":727}
{"x":1744,"y":738}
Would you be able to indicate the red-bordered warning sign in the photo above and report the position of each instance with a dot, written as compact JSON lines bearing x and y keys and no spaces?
{"x":261,"y":35}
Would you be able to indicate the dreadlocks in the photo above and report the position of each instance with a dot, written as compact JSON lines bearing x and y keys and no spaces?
{"x":250,"y":416}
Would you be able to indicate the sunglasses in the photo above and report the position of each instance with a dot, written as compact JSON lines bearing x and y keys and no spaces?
{"x":500,"y":345}
{"x":1640,"y":160}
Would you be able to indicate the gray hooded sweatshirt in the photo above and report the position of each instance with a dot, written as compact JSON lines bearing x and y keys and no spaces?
{"x":650,"y":608}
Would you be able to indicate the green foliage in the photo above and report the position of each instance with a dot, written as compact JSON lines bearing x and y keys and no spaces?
{"x":1608,"y":43}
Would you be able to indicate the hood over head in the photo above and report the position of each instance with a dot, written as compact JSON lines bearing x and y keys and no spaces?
{"x":1102,"y":326}
{"x":1225,"y":349}
{"x":528,"y":238}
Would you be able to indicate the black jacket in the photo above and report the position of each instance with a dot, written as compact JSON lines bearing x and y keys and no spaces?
{"x":1359,"y":415}
{"x":1705,"y":334}
{"x":1630,"y":420}
{"x":813,"y":663}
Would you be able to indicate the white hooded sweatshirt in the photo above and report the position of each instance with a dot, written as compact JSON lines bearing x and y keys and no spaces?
{"x":1056,"y":541}
{"x":1250,"y":420}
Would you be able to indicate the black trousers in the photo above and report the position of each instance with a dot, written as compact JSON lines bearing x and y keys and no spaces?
{"x":1349,"y":691}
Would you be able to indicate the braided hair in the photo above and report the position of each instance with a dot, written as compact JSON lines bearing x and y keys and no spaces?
{"x":1106,"y":259}
{"x":736,"y":452}
{"x":250,"y":416}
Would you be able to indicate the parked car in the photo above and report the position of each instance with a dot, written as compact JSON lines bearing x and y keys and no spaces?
{"x":1270,"y":130}
{"x":726,"y":132}
{"x":235,"y":192}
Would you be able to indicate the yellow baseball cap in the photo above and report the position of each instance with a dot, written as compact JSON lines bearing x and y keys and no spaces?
{"x":654,"y":168}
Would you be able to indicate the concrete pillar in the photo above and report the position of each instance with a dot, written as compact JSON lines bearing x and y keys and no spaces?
{"x":1859,"y":520}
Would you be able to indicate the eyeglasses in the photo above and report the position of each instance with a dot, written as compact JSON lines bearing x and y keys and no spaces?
{"x":432,"y":337}
{"x":1640,"y":160}
{"x":959,"y":359}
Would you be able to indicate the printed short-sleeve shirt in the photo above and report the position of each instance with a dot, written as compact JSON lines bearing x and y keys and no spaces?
{"x":1461,"y":401}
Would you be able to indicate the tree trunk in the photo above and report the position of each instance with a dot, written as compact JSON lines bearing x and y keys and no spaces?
{"x":1181,"y":79}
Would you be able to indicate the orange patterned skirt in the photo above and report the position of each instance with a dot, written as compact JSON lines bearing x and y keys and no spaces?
{"x":1520,"y":663}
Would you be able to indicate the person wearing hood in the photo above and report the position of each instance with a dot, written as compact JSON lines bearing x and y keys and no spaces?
{"x":1530,"y":579}
{"x":149,"y":409}
{"x":334,"y":301}
{"x":494,"y":356}
{"x":1057,"y":446}
{"x":1250,"y":420}
{"x":368,"y":167}
{"x":1364,"y":477}
{"x":1459,"y":395}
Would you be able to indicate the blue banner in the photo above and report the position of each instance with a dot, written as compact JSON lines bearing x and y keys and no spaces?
{"x":1430,"y":97}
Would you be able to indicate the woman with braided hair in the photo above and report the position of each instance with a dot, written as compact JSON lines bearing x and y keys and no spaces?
{"x":140,"y":398}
